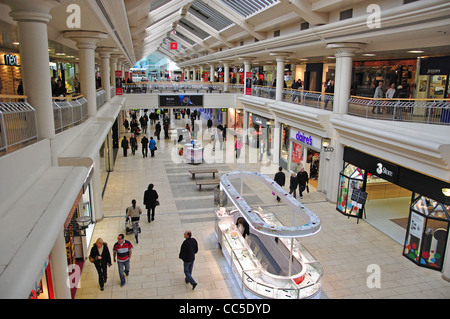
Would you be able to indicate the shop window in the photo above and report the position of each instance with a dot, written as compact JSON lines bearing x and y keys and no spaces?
{"x":350,"y":178}
{"x":427,"y":232}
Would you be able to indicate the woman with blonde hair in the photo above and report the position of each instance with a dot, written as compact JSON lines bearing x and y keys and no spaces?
{"x":101,"y":258}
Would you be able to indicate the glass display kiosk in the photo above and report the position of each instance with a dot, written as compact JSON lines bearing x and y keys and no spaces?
{"x":270,"y":262}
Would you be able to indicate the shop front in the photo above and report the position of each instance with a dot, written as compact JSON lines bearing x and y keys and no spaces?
{"x":260,"y":133}
{"x":10,"y":73}
{"x":301,"y":149}
{"x":367,"y":74}
{"x":425,"y":220}
{"x":43,"y":288}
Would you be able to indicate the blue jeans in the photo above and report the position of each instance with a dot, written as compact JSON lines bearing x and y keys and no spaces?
{"x":188,"y":272}
{"x":122,"y":265}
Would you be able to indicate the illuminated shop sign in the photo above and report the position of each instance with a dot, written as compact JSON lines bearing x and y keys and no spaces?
{"x":11,"y":60}
{"x":312,"y":141}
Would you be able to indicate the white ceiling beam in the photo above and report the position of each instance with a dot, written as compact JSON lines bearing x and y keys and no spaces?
{"x":207,"y":28}
{"x":235,"y":17}
{"x":193,"y":37}
{"x":304,"y":10}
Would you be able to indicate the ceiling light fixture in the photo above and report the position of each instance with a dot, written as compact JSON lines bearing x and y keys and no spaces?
{"x":416,"y":51}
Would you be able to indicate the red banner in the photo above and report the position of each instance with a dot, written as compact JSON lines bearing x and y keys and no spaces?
{"x":248,"y":83}
{"x":119,"y":82}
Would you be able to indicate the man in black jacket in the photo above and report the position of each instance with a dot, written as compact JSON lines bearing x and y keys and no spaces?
{"x":280,"y":179}
{"x":302,"y":177}
{"x":187,"y":253}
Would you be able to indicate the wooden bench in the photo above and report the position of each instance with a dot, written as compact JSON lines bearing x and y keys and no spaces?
{"x":203,"y":171}
{"x":201,"y":182}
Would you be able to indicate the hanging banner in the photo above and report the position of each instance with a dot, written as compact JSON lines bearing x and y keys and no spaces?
{"x":119,"y":83}
{"x":248,"y":83}
{"x":205,"y":76}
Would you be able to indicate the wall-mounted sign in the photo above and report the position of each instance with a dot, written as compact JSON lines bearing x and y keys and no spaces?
{"x":312,"y":141}
{"x":11,"y":60}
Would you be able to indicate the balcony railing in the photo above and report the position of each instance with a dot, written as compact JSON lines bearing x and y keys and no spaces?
{"x":69,"y":111}
{"x":428,"y":111}
{"x":18,"y":125}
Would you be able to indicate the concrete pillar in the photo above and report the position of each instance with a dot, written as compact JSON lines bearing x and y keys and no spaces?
{"x":247,"y":68}
{"x":105,"y":54}
{"x":280,"y":58}
{"x":32,"y":18}
{"x":226,"y":78}
{"x":86,"y":44}
{"x":344,"y":53}
{"x":212,"y":69}
{"x":113,"y":67}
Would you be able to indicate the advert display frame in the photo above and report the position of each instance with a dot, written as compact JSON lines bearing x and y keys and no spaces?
{"x":180,"y":100}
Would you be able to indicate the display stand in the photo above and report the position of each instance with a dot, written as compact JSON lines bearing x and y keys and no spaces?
{"x":270,"y":262}
{"x":193,"y":153}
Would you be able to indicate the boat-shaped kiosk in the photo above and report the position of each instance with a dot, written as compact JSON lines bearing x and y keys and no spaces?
{"x":270,"y":262}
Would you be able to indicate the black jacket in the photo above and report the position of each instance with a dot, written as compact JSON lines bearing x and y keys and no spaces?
{"x":150,"y":197}
{"x":302,"y":178}
{"x":293,"y":182}
{"x":280,"y":178}
{"x":188,"y":250}
{"x":106,"y":256}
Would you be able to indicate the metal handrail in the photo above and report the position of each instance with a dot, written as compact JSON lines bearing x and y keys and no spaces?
{"x":18,"y":123}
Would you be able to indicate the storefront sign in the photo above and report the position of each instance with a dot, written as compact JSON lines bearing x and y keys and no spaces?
{"x":11,"y":60}
{"x":311,"y":140}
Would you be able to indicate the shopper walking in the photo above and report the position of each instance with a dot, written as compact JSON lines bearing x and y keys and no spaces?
{"x":101,"y":258}
{"x":293,"y":182}
{"x":379,"y":94}
{"x":152,"y":146}
{"x":280,"y":179}
{"x":125,"y":146}
{"x":187,"y":253}
{"x":150,"y":200}
{"x":144,"y":142}
{"x":238,"y":147}
{"x":158,"y":130}
{"x":134,"y":144}
{"x":303,"y":179}
{"x":122,"y":253}
{"x":134,"y":212}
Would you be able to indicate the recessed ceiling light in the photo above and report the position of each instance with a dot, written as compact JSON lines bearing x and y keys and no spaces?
{"x":60,"y":53}
{"x":416,"y":51}
{"x":304,"y":59}
{"x":369,"y":54}
{"x":16,"y":43}
{"x":331,"y":57}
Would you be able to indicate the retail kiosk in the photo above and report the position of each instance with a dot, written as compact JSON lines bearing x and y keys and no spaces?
{"x":270,"y":262}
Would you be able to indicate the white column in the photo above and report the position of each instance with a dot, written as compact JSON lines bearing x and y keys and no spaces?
{"x":344,"y":53}
{"x":226,"y":78}
{"x":114,"y":58}
{"x":105,"y":54}
{"x":60,"y":272}
{"x":86,"y":44}
{"x":32,"y":18}
{"x":212,"y":68}
{"x":280,"y":79}
{"x":280,"y":58}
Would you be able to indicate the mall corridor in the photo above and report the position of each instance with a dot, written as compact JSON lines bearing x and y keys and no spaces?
{"x":345,"y":248}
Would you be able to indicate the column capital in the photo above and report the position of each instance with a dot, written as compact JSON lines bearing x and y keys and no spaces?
{"x":280,"y":56}
{"x":85,"y":39}
{"x":105,"y":52}
{"x":247,"y":59}
{"x":37,"y":10}
{"x":345,"y":48}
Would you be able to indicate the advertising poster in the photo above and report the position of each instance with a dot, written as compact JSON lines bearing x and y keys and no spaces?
{"x":248,"y":83}
{"x":206,"y":76}
{"x":119,"y":83}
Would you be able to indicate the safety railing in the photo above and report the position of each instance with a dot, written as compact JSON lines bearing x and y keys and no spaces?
{"x":100,"y":97}
{"x":428,"y":111}
{"x":69,"y":111}
{"x":304,"y":97}
{"x":18,"y":124}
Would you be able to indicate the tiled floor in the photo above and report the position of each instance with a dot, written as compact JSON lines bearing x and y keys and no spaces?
{"x":344,"y":248}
